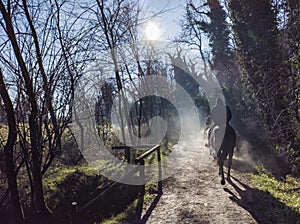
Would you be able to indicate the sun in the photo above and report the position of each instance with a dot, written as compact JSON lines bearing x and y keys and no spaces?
{"x":152,"y":31}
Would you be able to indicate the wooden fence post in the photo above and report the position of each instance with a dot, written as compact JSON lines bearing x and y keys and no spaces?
{"x":159,"y":170}
{"x":127,"y":154}
{"x":142,"y":175}
{"x":73,"y":215}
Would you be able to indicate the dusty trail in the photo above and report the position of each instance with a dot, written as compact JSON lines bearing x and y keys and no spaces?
{"x":195,"y":195}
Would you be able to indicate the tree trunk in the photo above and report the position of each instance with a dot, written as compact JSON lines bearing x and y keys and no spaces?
{"x":38,"y":195}
{"x":8,"y":151}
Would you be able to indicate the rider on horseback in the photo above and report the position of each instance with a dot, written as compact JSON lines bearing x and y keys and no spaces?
{"x":217,"y":117}
{"x":222,"y":137}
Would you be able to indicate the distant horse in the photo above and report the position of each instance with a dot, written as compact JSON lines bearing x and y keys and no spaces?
{"x":223,"y":146}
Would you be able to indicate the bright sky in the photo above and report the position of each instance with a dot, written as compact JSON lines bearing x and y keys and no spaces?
{"x":168,"y":21}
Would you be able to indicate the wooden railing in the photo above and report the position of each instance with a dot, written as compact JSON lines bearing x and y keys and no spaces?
{"x":140,"y":160}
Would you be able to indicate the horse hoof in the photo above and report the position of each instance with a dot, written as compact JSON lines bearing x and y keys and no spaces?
{"x":223,"y":182}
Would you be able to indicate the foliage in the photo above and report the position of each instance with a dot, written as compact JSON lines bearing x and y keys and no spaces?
{"x":290,"y":40}
{"x":266,"y":78}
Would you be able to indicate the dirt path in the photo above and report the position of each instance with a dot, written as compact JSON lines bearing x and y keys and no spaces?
{"x":195,"y":195}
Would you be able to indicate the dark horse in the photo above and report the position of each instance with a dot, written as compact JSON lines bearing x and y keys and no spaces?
{"x":224,"y":146}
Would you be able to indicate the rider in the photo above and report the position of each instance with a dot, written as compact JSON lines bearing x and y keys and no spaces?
{"x":217,"y":116}
{"x":217,"y":113}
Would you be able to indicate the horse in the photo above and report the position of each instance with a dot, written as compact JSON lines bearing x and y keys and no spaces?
{"x":223,"y":146}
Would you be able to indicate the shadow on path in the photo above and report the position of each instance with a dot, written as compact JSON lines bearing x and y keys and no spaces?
{"x":263,"y":207}
{"x":151,"y":208}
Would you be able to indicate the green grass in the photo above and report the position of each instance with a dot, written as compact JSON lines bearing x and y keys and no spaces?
{"x":287,"y":191}
{"x":122,"y":217}
{"x":59,"y":172}
{"x":62,"y":183}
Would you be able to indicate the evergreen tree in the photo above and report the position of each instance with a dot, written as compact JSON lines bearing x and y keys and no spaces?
{"x":218,"y":32}
{"x":255,"y":27}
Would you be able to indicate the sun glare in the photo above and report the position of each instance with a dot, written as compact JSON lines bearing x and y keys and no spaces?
{"x":152,"y":31}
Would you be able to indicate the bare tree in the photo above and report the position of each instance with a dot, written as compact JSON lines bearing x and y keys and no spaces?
{"x":9,"y":151}
{"x":43,"y":57}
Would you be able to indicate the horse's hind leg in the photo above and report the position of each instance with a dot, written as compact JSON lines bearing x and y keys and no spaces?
{"x":229,"y":163}
{"x":221,"y":171}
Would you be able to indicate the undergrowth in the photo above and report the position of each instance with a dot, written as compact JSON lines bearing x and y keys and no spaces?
{"x":79,"y":182}
{"x":286,"y":191}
